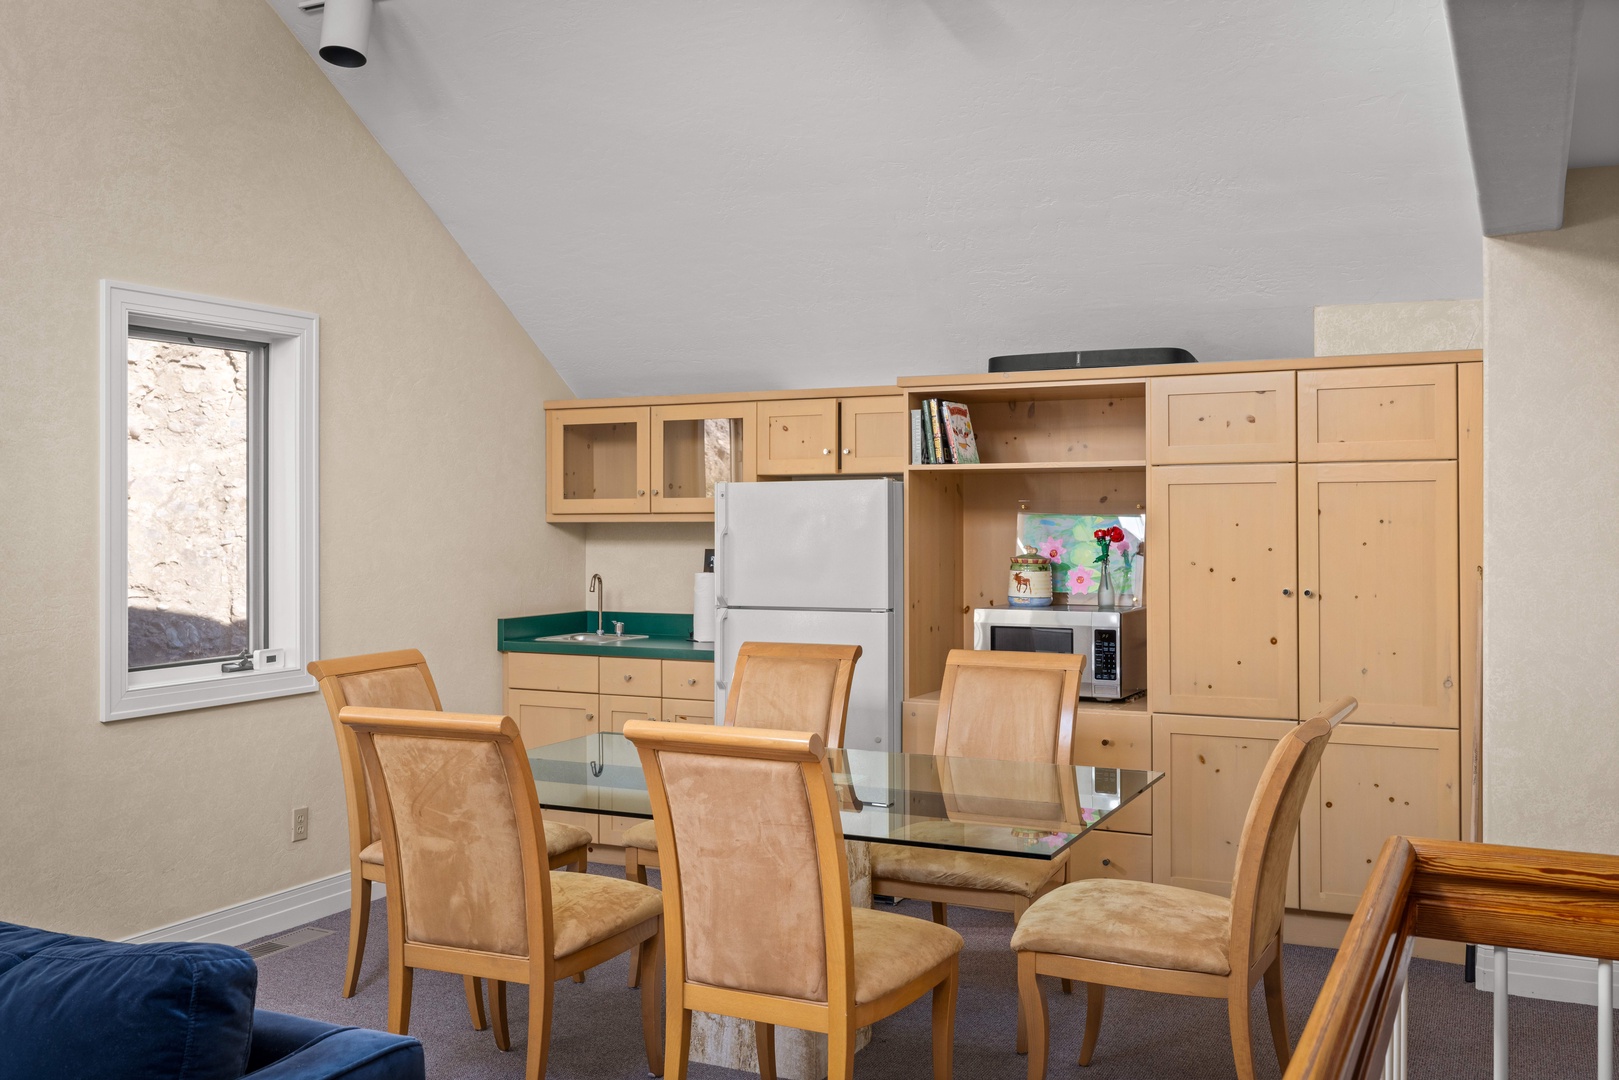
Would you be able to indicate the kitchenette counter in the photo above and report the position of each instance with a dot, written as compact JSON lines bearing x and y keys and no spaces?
{"x":668,"y":636}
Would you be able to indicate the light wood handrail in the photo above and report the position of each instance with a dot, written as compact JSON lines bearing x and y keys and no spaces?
{"x":1522,"y":898}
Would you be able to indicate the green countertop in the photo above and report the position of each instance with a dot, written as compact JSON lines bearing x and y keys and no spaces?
{"x":670,"y":635}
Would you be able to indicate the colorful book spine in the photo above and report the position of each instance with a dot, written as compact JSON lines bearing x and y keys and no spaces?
{"x":916,"y":437}
{"x":945,"y":453}
{"x":958,"y":431}
{"x":932,"y":407}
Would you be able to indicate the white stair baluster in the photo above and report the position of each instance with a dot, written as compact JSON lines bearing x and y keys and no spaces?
{"x":1500,"y":954}
{"x":1604,"y":1020}
{"x":1394,"y":1062}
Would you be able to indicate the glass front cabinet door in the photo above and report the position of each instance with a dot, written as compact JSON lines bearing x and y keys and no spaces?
{"x":598,"y":461}
{"x":695,"y":447}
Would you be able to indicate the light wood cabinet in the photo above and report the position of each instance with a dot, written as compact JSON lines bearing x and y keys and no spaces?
{"x":1222,"y":636}
{"x":1111,"y":854}
{"x":688,"y":711}
{"x":1378,"y":414}
{"x":597,"y":461}
{"x":919,"y":723}
{"x":631,"y":675}
{"x":568,"y":672}
{"x":1378,"y":607}
{"x":1220,"y":419}
{"x":1212,"y":766}
{"x":798,"y":437}
{"x":875,"y":433}
{"x":545,"y":716}
{"x":1117,"y":737}
{"x":696,"y":446}
{"x":688,"y":679}
{"x":616,"y":711}
{"x":822,"y":436}
{"x":1373,"y":783}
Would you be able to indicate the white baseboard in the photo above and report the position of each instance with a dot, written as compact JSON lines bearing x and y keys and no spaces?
{"x":254,"y":919}
{"x":1542,"y":975}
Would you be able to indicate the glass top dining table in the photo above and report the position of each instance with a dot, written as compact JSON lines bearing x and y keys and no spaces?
{"x":1024,"y":809}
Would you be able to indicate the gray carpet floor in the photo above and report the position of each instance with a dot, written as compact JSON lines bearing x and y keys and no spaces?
{"x":596,"y":1033}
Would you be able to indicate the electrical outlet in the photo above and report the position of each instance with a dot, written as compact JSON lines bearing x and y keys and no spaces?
{"x":300,"y":823}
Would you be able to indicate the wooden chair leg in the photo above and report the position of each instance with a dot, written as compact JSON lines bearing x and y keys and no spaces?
{"x":1095,"y":999}
{"x":399,"y":980}
{"x":944,"y":1022}
{"x":1019,"y":906}
{"x":539,"y":1028}
{"x":677,"y":1042}
{"x":649,"y":961}
{"x":1242,"y":1042}
{"x":940,"y":915}
{"x":359,"y":923}
{"x":764,"y":1046}
{"x":840,"y":1049}
{"x":497,"y":1012}
{"x":1276,"y":1007}
{"x":1032,"y":1001}
{"x":474,"y":987}
{"x":634,"y":871}
{"x":581,"y":865}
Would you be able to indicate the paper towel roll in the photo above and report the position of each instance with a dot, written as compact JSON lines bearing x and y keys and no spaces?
{"x":702,"y":608}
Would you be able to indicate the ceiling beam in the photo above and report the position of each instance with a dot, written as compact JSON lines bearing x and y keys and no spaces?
{"x":1515,"y":64}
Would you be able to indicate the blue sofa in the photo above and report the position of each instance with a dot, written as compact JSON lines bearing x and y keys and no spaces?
{"x":74,"y":1007}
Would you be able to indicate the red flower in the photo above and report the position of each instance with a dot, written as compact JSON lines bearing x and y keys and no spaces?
{"x":1115,"y":534}
{"x":1099,"y":534}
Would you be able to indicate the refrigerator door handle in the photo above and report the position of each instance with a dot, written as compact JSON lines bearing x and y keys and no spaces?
{"x":721,"y":680}
{"x":719,"y":566}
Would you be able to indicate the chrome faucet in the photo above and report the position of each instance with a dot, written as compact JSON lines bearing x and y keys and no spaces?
{"x":598,"y":588}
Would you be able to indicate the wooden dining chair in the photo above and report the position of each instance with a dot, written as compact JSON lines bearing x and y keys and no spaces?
{"x":470,"y":889}
{"x":1008,"y":706}
{"x":1142,"y":936}
{"x":756,"y":894}
{"x":395,"y":680}
{"x":780,"y":685}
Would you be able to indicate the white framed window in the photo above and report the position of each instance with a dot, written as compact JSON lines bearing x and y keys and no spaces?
{"x":209,"y":501}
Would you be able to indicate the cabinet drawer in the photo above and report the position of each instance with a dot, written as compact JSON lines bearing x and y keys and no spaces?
{"x":551,"y":671}
{"x":625,"y":675}
{"x":1111,"y":854}
{"x":1222,"y":419}
{"x":919,"y":721}
{"x":692,"y":679}
{"x":682,"y":711}
{"x":1117,"y":740}
{"x":1378,"y":414}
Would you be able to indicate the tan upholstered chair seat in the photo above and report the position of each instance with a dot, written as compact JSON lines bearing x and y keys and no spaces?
{"x":890,"y":950}
{"x":587,"y":908}
{"x":1130,"y":922}
{"x":963,"y":869}
{"x":372,"y":853}
{"x":642,"y":837}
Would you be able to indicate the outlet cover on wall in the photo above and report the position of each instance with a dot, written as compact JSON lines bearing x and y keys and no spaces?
{"x":300,"y":823}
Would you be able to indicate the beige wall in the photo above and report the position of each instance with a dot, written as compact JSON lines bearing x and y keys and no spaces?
{"x":646,"y":567}
{"x":1551,"y":470}
{"x":196,"y":146}
{"x":1414,"y":326}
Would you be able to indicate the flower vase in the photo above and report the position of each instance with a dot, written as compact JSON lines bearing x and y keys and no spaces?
{"x":1105,"y":600}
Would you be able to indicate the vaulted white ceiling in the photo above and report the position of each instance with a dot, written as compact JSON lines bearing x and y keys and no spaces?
{"x":725,"y":194}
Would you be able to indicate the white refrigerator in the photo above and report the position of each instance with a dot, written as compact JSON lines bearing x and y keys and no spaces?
{"x":815,"y":561}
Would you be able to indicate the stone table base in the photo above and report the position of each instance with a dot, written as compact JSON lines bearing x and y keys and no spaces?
{"x":800,"y":1055}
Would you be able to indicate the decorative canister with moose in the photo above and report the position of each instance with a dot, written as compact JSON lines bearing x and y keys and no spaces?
{"x":1030,"y":583}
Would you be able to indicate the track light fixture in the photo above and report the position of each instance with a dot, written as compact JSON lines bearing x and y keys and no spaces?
{"x":345,"y":30}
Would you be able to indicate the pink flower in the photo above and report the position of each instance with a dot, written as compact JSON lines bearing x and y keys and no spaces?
{"x":1053,"y":549}
{"x":1122,"y":547}
{"x":1080,"y":579}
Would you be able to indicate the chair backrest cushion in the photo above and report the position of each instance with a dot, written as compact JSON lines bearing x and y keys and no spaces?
{"x":787,"y":694}
{"x":750,"y":882}
{"x":460,"y":856}
{"x":386,"y":688}
{"x":1008,"y":713}
{"x":77,"y":1007}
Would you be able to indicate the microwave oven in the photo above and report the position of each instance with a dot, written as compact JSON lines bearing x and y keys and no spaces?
{"x":1114,"y":643}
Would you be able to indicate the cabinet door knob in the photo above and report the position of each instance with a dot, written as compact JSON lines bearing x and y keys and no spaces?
{"x":1287,"y":592}
{"x":627,"y":678}
{"x":1107,"y":742}
{"x":590,"y":716}
{"x":825,"y":450}
{"x":1307,"y":592}
{"x":691,"y":682}
{"x":845,"y":449}
{"x":656,"y":493}
{"x":1107,"y":862}
{"x":641,"y":492}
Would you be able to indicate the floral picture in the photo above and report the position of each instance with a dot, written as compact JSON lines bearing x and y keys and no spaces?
{"x":1069,"y":542}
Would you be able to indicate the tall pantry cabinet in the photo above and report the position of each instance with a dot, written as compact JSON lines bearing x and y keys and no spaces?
{"x":1306,"y":530}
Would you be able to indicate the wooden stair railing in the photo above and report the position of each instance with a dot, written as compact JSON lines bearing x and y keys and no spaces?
{"x":1506,"y":897}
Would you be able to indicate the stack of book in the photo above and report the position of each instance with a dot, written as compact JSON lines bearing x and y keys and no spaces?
{"x":942,"y":434}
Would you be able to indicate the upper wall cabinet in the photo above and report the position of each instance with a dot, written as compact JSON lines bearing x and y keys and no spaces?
{"x":597,"y":461}
{"x":695,"y":447}
{"x":1222,"y":419}
{"x":1378,"y":414}
{"x":825,"y":436}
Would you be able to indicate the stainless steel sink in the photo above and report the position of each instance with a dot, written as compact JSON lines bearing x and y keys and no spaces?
{"x":597,"y":639}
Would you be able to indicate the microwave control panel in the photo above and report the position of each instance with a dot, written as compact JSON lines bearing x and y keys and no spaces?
{"x":1104,"y":655}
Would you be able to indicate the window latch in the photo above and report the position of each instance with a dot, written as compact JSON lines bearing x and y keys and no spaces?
{"x":241,"y":663}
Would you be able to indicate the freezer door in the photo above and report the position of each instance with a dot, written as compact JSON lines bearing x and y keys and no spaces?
{"x":874,"y":694}
{"x":829,"y":544}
